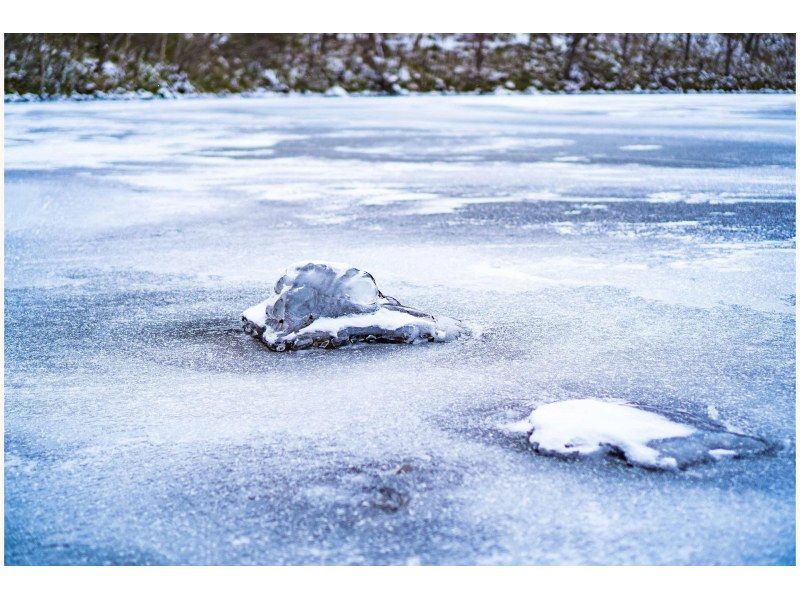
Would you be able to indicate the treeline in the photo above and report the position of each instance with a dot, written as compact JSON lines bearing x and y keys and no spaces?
{"x":97,"y":63}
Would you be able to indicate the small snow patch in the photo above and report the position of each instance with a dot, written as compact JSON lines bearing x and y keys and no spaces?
{"x":720,"y":453}
{"x":640,"y":147}
{"x":571,"y":159}
{"x":583,"y":427}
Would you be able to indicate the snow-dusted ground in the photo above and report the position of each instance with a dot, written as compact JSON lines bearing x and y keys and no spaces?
{"x":635,"y":248}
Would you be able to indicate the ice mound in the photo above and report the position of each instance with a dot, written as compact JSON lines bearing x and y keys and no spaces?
{"x":588,"y":426}
{"x":330,"y":305}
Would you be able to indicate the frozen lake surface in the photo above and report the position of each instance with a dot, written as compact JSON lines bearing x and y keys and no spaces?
{"x":634,"y":248}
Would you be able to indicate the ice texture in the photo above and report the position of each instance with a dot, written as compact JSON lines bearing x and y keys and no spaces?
{"x":143,"y":426}
{"x":581,"y":427}
{"x":332,"y":304}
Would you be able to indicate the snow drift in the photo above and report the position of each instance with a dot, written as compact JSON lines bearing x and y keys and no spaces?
{"x":329,"y":305}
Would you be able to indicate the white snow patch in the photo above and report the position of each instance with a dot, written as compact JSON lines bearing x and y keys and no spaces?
{"x":570,"y":159}
{"x":257,"y":314}
{"x":641,"y":147}
{"x":722,"y":453}
{"x":385,"y":318}
{"x":586,"y":426}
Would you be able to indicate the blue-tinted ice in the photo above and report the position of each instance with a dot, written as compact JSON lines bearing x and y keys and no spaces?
{"x":634,"y":248}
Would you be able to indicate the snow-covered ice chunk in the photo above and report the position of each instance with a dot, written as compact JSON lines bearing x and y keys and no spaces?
{"x":331,"y":304}
{"x":583,"y":427}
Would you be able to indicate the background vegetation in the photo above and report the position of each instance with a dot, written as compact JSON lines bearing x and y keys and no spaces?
{"x":176,"y":63}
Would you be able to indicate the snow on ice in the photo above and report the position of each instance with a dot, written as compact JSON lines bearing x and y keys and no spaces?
{"x":330,"y":305}
{"x":582,"y":427}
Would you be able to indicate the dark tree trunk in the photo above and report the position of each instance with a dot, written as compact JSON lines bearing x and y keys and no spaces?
{"x":625,"y":40}
{"x":480,"y":39}
{"x":653,"y":54}
{"x":577,"y":38}
{"x":102,"y":49}
{"x":43,"y":49}
{"x":730,"y":46}
{"x":748,"y":44}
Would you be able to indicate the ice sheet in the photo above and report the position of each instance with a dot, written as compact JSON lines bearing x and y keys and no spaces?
{"x":142,"y":426}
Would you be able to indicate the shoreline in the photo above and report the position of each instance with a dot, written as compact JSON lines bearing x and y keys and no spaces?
{"x":143,"y":95}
